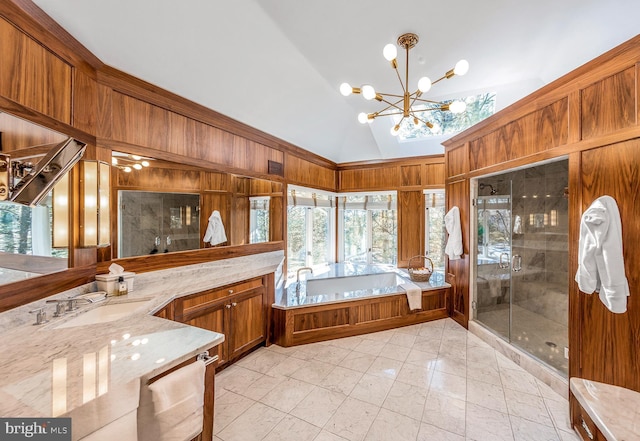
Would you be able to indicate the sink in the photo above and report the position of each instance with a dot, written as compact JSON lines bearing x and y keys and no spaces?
{"x":104,"y":313}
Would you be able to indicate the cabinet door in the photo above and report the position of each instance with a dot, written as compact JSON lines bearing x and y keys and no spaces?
{"x":215,"y":319}
{"x":248,"y":326}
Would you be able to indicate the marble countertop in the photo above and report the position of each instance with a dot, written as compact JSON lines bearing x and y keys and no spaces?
{"x":294,"y":296}
{"x":48,"y":370}
{"x":614,"y":410}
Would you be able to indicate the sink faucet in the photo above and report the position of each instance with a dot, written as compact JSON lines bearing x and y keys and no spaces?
{"x":304,"y":268}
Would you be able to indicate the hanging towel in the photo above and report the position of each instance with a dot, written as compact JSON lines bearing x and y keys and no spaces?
{"x":171,"y":408}
{"x":453,"y":249}
{"x":600,"y":258}
{"x":215,"y":230}
{"x":414,"y":295}
{"x":517,"y":225}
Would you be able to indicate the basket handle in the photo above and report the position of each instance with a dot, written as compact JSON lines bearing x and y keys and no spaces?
{"x":422,"y":257}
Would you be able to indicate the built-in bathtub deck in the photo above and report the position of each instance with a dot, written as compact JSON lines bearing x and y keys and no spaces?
{"x":300,"y":318}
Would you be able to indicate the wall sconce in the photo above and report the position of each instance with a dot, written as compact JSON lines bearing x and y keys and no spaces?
{"x":95,"y":195}
{"x":61,"y":213}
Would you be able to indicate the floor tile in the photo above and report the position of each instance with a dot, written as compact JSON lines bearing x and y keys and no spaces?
{"x":385,"y":367}
{"x":526,"y":430}
{"x":395,"y":352}
{"x":485,"y":424}
{"x":328,"y":436}
{"x":415,"y":374}
{"x":371,"y":347}
{"x":372,"y":389}
{"x":229,"y":407}
{"x":331,"y":354}
{"x":445,"y":412}
{"x":293,"y":429}
{"x":401,"y":339}
{"x":252,"y":425}
{"x":451,"y":366}
{"x":519,"y":380}
{"x":353,"y":419}
{"x":358,"y":361}
{"x":237,"y":379}
{"x":389,"y":425}
{"x":288,"y":367}
{"x":432,"y":433}
{"x":261,"y":361}
{"x":287,"y":395}
{"x":346,"y":343}
{"x":486,"y":395}
{"x":341,"y":380}
{"x":319,"y":406}
{"x":422,"y":358}
{"x":450,"y":385}
{"x":314,"y":372}
{"x":406,"y":399}
{"x":483,"y":372}
{"x":530,"y":407}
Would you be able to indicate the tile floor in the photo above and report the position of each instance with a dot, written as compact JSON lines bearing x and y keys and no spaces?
{"x":433,"y":381}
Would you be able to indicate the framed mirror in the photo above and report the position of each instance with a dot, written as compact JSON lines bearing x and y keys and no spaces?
{"x":33,"y":240}
{"x":165,"y":207}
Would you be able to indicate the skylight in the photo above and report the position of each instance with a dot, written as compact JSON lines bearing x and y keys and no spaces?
{"x":479,"y":107}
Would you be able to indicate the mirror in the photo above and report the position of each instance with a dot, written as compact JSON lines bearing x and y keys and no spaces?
{"x":165,"y":207}
{"x":33,"y":240}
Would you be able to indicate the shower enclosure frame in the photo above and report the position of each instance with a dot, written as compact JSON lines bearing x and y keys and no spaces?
{"x":474,"y":272}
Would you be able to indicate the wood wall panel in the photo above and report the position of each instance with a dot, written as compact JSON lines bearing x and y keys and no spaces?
{"x":457,"y":194}
{"x":535,"y":132}
{"x":410,"y":225}
{"x":379,"y":178}
{"x":321,"y":319}
{"x":157,"y":179}
{"x":434,"y":175}
{"x":410,"y":175}
{"x":457,"y":160}
{"x":85,"y":102}
{"x":19,"y":134}
{"x":33,"y":76}
{"x":609,"y":105}
{"x":609,"y":350}
{"x":301,"y":172}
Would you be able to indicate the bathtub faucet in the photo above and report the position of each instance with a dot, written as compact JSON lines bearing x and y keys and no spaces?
{"x":304,"y":268}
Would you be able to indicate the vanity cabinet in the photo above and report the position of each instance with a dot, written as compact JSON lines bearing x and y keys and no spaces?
{"x":240,"y":311}
{"x":584,"y":425}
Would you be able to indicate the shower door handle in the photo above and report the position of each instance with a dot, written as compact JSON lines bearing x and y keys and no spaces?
{"x":504,"y":264}
{"x":516,"y":263}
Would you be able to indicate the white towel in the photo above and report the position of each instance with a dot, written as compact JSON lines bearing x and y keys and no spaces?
{"x":517,"y":225}
{"x":171,"y":408}
{"x":414,"y":295}
{"x":453,"y":249}
{"x":600,"y":257}
{"x":215,"y":230}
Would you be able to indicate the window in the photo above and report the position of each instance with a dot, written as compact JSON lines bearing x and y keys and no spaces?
{"x":369,"y":228}
{"x":259,"y":219}
{"x":310,"y":228}
{"x":479,"y":107}
{"x":434,"y":226}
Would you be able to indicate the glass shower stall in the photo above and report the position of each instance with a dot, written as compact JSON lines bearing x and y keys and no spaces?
{"x":521,"y":260}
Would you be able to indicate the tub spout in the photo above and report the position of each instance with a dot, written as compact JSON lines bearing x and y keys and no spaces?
{"x":304,"y":268}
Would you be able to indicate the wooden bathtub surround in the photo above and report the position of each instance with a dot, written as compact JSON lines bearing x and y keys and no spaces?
{"x":309,"y":324}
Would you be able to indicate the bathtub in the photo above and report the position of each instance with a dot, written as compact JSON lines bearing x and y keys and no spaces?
{"x":385,"y":281}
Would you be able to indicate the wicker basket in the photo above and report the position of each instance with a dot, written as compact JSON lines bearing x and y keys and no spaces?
{"x":420,"y":274}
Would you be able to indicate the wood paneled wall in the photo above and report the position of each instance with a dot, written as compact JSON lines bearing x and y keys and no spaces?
{"x":591,"y":116}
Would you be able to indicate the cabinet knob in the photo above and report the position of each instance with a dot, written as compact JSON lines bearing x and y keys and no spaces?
{"x":230,"y":291}
{"x":234,"y":304}
{"x":227,"y":306}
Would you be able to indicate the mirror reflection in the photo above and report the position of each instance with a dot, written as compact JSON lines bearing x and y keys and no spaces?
{"x":165,"y":207}
{"x":33,"y":240}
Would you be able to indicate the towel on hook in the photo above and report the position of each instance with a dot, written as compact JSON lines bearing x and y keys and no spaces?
{"x":517,"y":225}
{"x":600,"y":257}
{"x":414,"y":295}
{"x":453,"y":249}
{"x":215,"y":230}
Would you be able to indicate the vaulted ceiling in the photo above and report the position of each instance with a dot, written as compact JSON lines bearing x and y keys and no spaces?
{"x":277,"y":64}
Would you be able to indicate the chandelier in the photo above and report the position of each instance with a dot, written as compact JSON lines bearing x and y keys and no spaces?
{"x":409,"y":104}
{"x":127,"y":162}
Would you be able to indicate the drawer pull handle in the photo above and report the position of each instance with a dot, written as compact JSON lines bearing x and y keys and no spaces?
{"x":227,"y":306}
{"x":586,"y":429}
{"x":230,"y":291}
{"x":234,"y":304}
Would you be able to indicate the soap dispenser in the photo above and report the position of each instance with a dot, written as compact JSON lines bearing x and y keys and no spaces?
{"x":123,"y":289}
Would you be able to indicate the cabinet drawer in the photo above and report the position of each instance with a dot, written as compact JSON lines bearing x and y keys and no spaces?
{"x":586,"y":427}
{"x":199,"y":300}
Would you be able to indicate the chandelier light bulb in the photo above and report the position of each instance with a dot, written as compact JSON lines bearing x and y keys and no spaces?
{"x":137,"y":166}
{"x":457,"y":106}
{"x":135,"y":157}
{"x":363,"y":118}
{"x":424,"y":84}
{"x":461,"y":68}
{"x":368,"y":92}
{"x":390,"y":52}
{"x":346,"y":89}
{"x":395,"y":129}
{"x":145,"y":163}
{"x":127,"y":169}
{"x":114,"y":161}
{"x":416,"y":121}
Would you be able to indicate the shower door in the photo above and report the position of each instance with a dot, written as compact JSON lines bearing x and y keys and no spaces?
{"x":493,"y":261}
